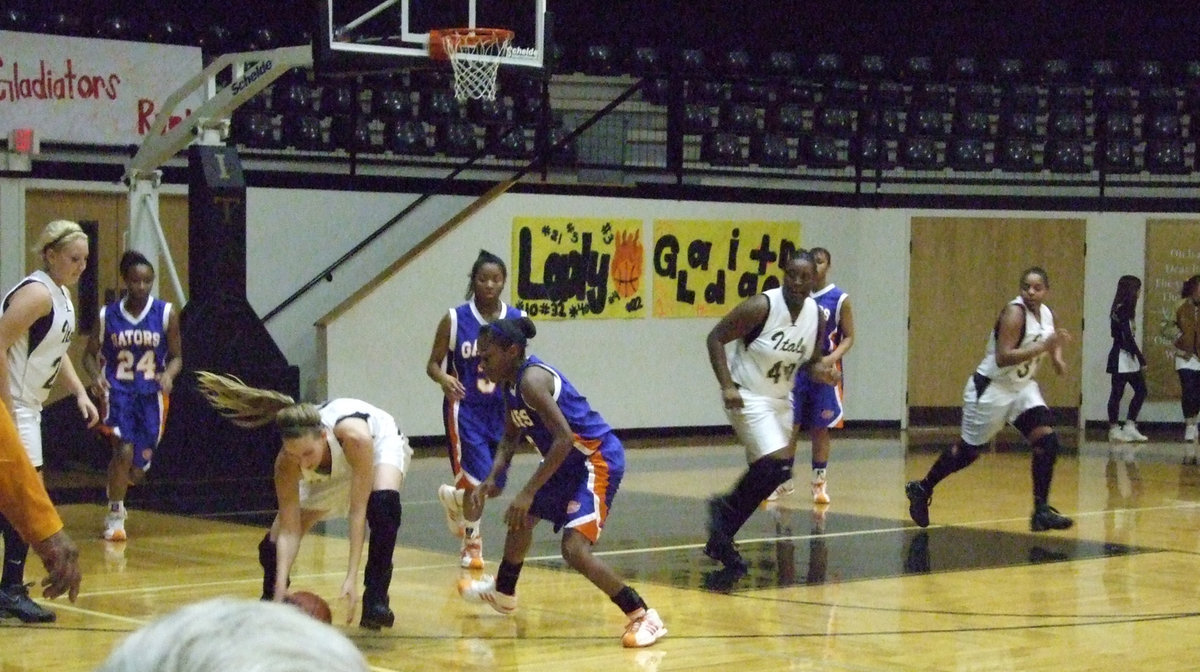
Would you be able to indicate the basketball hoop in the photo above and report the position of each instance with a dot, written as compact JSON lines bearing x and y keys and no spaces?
{"x":474,"y":55}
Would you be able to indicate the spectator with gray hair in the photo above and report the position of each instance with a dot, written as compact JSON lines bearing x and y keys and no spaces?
{"x":231,"y":634}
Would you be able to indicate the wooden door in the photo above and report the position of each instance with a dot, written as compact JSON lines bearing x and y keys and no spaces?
{"x":110,"y":211}
{"x":963,"y":270}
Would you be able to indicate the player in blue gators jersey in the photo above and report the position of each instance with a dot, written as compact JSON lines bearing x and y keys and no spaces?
{"x":817,"y":405}
{"x":573,"y":487}
{"x":133,"y":357}
{"x":473,"y":410}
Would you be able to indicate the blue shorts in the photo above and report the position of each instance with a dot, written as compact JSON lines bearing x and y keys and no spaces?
{"x":580,"y":494}
{"x":137,"y":419}
{"x":816,"y":405}
{"x":472,"y":442}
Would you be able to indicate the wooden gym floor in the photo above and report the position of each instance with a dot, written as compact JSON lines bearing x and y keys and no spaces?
{"x":855,"y":586}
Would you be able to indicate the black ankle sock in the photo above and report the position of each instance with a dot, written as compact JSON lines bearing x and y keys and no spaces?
{"x":15,"y":552}
{"x":506,"y":577}
{"x":628,"y":600}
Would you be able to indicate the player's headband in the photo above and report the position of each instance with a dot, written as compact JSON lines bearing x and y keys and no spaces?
{"x":508,"y":331}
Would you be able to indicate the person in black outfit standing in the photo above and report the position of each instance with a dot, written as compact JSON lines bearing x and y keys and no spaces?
{"x":1126,"y":362}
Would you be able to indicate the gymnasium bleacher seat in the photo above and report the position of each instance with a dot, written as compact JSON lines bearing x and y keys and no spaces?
{"x":772,"y":150}
{"x":407,"y":136}
{"x":599,"y":59}
{"x":254,"y":129}
{"x":871,"y":153}
{"x":1119,"y":155}
{"x":645,"y":61}
{"x":920,"y":152}
{"x":507,"y":142}
{"x":351,"y":134}
{"x":1167,"y":157}
{"x":456,"y":137}
{"x":302,"y":131}
{"x":1067,"y":155}
{"x":968,"y":153}
{"x":722,"y":148}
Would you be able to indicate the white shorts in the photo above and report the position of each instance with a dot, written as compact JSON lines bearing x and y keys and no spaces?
{"x":1190,"y":363}
{"x":984,"y":417}
{"x":763,"y":424}
{"x":1127,"y":363}
{"x":29,"y":426}
{"x":332,"y":496}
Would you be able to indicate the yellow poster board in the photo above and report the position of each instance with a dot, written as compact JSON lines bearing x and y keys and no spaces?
{"x":579,"y":267}
{"x":1172,"y":256}
{"x":703,"y":268}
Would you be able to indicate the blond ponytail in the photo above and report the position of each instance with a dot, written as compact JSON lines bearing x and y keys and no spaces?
{"x":251,"y":407}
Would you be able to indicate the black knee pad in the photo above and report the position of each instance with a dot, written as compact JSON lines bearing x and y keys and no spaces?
{"x":384,"y":510}
{"x":1038,"y":416}
{"x":267,"y":553}
{"x":1047,"y":445}
{"x":778,"y":471}
{"x":769,"y":470}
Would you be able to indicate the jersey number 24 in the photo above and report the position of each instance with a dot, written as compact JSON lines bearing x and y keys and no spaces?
{"x":126,"y":369}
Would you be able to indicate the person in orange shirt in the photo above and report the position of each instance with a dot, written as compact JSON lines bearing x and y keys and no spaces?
{"x":1187,"y":361}
{"x":27,"y":506}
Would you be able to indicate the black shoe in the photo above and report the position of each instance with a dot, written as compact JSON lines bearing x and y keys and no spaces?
{"x":720,"y":546}
{"x":15,"y":601}
{"x":918,"y":502}
{"x":726,"y":554}
{"x":1046,"y":517}
{"x":376,"y":615}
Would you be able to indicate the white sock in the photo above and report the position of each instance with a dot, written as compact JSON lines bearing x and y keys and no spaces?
{"x":818,"y":475}
{"x":471,"y":528}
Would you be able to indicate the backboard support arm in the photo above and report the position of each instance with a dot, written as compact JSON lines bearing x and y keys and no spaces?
{"x":250,"y":73}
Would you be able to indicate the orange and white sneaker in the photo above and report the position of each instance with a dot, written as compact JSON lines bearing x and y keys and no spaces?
{"x":643,"y":630}
{"x":785,"y":489}
{"x":484,"y":590}
{"x":820,"y":496}
{"x":114,"y":526}
{"x":452,"y":506}
{"x":472,"y":553}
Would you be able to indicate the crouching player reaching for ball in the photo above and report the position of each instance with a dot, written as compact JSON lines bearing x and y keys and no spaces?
{"x":342,"y":459}
{"x":573,"y":487}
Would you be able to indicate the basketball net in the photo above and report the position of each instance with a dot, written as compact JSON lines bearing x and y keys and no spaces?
{"x":474,"y":55}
